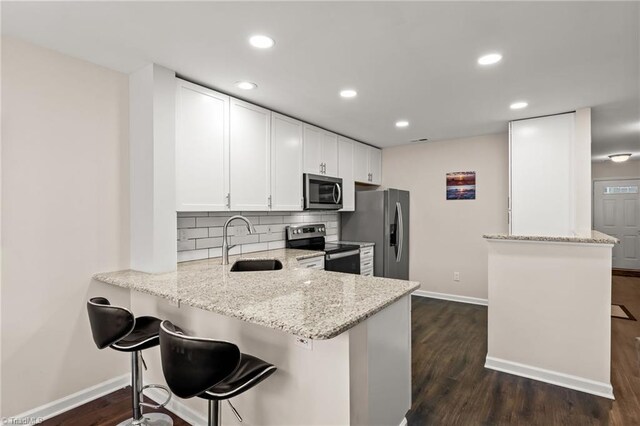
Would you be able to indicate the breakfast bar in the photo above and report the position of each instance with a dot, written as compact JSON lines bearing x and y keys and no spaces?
{"x":331,"y":335}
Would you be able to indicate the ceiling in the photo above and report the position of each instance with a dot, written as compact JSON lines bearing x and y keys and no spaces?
{"x":407,"y":60}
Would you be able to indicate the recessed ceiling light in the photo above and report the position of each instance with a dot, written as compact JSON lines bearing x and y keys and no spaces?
{"x":402,"y":123}
{"x":246,"y":85}
{"x":348,"y":93}
{"x":518,"y":105}
{"x":490,"y":59}
{"x":261,"y":41}
{"x":619,"y":158}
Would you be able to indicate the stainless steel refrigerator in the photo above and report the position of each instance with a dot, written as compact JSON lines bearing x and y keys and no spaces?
{"x":382,"y":217}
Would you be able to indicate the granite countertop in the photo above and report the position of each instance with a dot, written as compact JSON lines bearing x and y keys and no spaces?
{"x":596,"y":238}
{"x":310,"y":303}
{"x":362,"y":244}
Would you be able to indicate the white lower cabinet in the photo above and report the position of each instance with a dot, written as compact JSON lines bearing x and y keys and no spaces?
{"x":250,"y":157}
{"x":366,"y":261}
{"x":312,"y":262}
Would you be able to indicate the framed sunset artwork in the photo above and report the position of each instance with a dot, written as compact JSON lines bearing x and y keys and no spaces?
{"x":461,"y":186}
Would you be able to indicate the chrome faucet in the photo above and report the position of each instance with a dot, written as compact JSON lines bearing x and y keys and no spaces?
{"x":225,"y":245}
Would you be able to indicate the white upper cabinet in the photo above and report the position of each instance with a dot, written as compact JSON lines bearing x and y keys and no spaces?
{"x":367,"y":164}
{"x":330,"y":153}
{"x":360,"y":162}
{"x":345,"y":171}
{"x":250,"y":152}
{"x":286,"y":163}
{"x":313,"y":150}
{"x":202,"y":147}
{"x":320,"y":151}
{"x":375,"y":166}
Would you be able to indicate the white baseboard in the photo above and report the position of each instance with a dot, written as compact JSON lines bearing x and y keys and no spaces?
{"x":72,"y":401}
{"x":451,"y":297}
{"x":177,"y":407}
{"x":602,"y":389}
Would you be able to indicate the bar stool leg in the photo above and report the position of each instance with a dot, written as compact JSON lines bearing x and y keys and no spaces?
{"x":215,"y":414}
{"x":136,"y":386}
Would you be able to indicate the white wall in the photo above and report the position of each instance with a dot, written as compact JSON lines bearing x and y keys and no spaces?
{"x":446,"y":236}
{"x":609,"y":169}
{"x":65,"y":216}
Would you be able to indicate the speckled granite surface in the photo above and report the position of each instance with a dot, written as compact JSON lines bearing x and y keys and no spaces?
{"x":362,"y":244}
{"x":306,"y":302}
{"x":596,"y":238}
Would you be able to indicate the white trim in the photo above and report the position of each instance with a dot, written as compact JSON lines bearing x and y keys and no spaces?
{"x":404,"y":422}
{"x":451,"y":297}
{"x":177,"y":407}
{"x":581,"y":384}
{"x":77,"y":399}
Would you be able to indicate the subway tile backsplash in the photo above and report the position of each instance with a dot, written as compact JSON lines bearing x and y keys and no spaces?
{"x":200,"y":233}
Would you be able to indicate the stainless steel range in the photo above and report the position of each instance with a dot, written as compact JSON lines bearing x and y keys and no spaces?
{"x":338,"y":257}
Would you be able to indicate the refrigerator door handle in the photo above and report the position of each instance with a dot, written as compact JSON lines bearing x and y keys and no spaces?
{"x":400,"y":232}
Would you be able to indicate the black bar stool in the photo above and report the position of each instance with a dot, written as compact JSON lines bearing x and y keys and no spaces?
{"x":209,"y":369}
{"x":116,"y":327}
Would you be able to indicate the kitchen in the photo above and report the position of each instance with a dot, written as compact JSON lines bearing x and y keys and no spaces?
{"x":312,"y":216}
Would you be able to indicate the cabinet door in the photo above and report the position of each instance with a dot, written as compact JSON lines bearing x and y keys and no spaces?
{"x":375,"y":165}
{"x":345,"y":171}
{"x":286,"y":163}
{"x":250,"y":162}
{"x":361,"y":162}
{"x":202,"y":148}
{"x":330,"y":153}
{"x":312,"y":150}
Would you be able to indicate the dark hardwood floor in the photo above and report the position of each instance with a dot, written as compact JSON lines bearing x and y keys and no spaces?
{"x":106,"y":411}
{"x":451,"y":386}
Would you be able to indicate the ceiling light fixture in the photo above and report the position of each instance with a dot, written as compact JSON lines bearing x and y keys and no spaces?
{"x":619,"y":158}
{"x":518,"y":105}
{"x":402,"y":123}
{"x":348,"y":93}
{"x":490,"y":59}
{"x":246,"y":85}
{"x":261,"y":41}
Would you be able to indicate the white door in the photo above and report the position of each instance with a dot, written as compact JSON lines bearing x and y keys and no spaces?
{"x":250,"y":163}
{"x":286,"y":163}
{"x":361,"y":162}
{"x":202,"y":143}
{"x":616,"y":212}
{"x":375,"y":166}
{"x":345,"y":171}
{"x":313,"y":150}
{"x":330,"y":153}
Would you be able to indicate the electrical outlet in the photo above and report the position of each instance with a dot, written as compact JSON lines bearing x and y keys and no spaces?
{"x":241,"y":231}
{"x":304,"y":342}
{"x":182,"y":235}
{"x":456,"y":276}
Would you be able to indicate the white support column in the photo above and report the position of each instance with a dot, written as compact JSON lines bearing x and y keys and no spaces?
{"x":582,"y":173}
{"x":152,"y":169}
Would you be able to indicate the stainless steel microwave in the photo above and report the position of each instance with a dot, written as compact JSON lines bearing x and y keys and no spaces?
{"x":322,"y":192}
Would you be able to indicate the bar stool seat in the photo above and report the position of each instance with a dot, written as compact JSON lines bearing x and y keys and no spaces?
{"x":116,"y":327}
{"x":249,"y":373}
{"x":145,"y":334}
{"x":207,"y":368}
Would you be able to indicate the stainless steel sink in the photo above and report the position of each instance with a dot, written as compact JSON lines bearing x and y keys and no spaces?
{"x":256,"y":265}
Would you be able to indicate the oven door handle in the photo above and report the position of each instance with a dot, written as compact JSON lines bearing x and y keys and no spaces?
{"x":343,"y":254}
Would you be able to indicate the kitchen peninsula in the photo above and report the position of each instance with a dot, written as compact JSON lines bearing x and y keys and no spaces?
{"x":331,"y":335}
